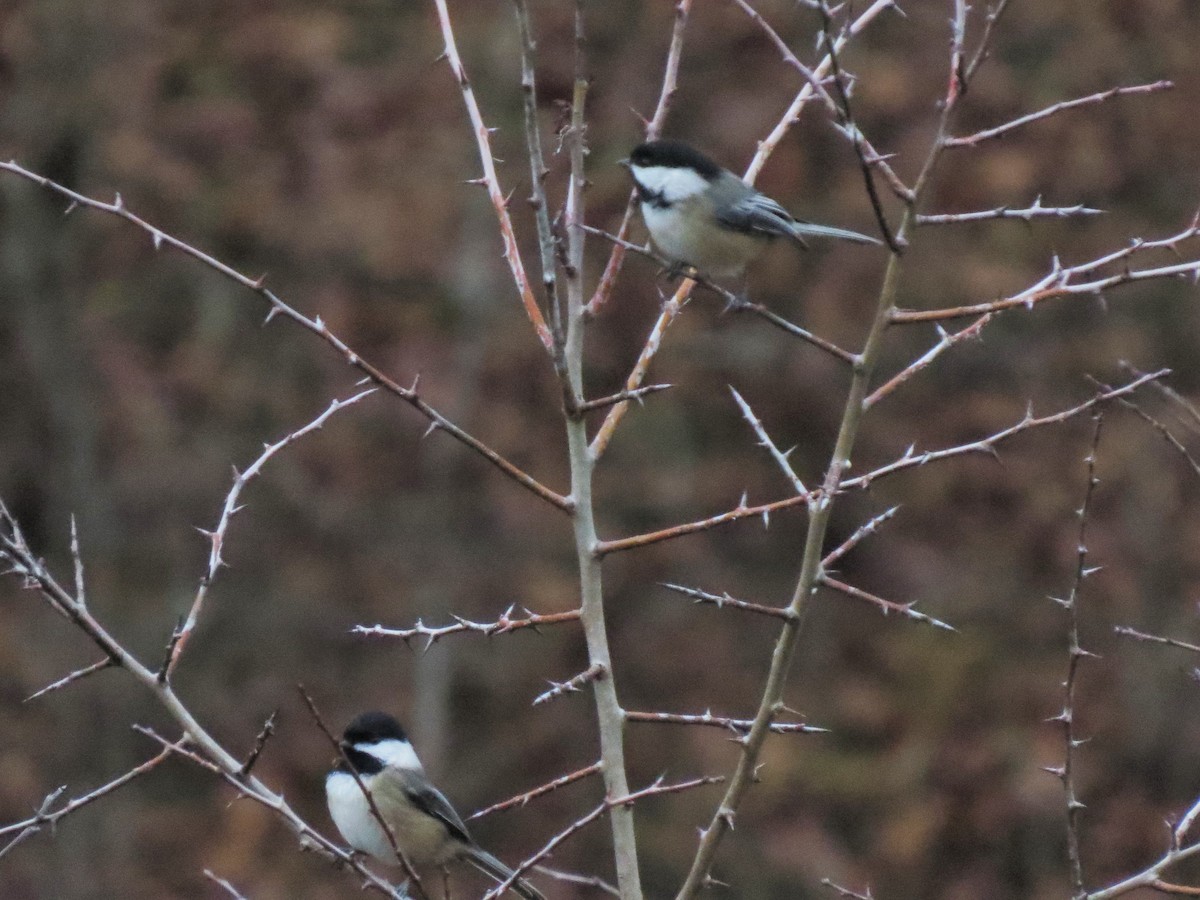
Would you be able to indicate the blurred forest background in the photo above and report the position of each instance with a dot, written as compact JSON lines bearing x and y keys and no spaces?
{"x":326,"y":145}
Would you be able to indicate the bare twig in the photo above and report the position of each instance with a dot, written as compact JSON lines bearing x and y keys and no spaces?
{"x":1128,"y":632}
{"x":537,"y":178}
{"x":523,"y":799}
{"x":315,"y":325}
{"x":860,"y":534}
{"x":26,"y":565}
{"x":764,"y":440}
{"x":846,"y":892}
{"x":223,"y":884}
{"x":216,"y":537}
{"x":987,"y":134}
{"x":723,"y":600}
{"x":592,"y":881}
{"x":946,"y":340}
{"x":573,"y":685}
{"x":74,"y":676}
{"x":820,"y":512}
{"x":988,"y":444}
{"x":264,"y":735}
{"x":741,"y":511}
{"x":888,"y":606}
{"x":737,"y":726}
{"x":624,"y":801}
{"x":1027,"y":215}
{"x":1076,"y":653}
{"x":502,"y":625}
{"x":491,"y":180}
{"x":46,"y":816}
{"x":621,"y":397}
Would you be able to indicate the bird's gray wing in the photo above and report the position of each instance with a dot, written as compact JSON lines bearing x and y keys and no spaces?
{"x":433,"y":802}
{"x":757,"y":213}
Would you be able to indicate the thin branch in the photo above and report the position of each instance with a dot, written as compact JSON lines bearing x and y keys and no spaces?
{"x":216,"y":537}
{"x":592,"y":881}
{"x":737,"y":726}
{"x":45,"y":816}
{"x":722,"y":600}
{"x":741,"y":511}
{"x":573,"y":685}
{"x":225,"y":885}
{"x":502,"y":625}
{"x":264,"y":735}
{"x":946,"y":340}
{"x":888,"y":606}
{"x":989,"y":133}
{"x":815,"y":79}
{"x":624,"y":801}
{"x":846,"y":892}
{"x":105,"y":663}
{"x":491,"y":180}
{"x":1174,"y":442}
{"x":523,"y":799}
{"x":764,"y":440}
{"x":537,"y":178}
{"x":1027,"y":215}
{"x":860,"y":534}
{"x":867,"y":155}
{"x":1076,"y":653}
{"x":988,"y":444}
{"x":621,"y":397}
{"x":314,"y":325}
{"x":1128,"y":632}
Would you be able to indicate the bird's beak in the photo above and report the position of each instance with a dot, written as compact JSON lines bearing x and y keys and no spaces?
{"x":624,"y":163}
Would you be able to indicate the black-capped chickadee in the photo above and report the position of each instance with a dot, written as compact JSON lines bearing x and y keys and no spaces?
{"x":703,"y":216}
{"x":426,"y":828}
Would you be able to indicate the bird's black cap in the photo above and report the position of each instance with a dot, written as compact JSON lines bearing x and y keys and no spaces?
{"x":674,"y":155}
{"x":373,"y":727}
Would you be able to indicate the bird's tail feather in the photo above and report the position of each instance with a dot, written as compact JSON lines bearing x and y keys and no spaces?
{"x":808,"y":229}
{"x":489,"y":865}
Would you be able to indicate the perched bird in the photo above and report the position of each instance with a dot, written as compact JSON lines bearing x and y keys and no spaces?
{"x":426,"y":828}
{"x":704,"y":217}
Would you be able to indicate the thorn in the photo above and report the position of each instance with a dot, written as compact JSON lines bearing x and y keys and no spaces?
{"x":433,"y":426}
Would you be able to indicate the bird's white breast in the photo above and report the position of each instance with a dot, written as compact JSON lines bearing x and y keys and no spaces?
{"x":352,"y":816}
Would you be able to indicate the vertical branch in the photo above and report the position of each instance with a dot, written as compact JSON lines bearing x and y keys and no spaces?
{"x":1066,"y":718}
{"x":537,"y":178}
{"x":610,"y":717}
{"x":811,"y":571}
{"x":491,"y":180}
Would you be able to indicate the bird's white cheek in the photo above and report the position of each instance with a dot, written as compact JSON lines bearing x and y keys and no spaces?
{"x":674,"y":184}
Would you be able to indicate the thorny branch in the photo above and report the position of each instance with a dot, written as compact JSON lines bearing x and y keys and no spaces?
{"x":502,"y":625}
{"x":1076,"y":654}
{"x":216,"y":537}
{"x":315,"y":325}
{"x":523,"y":799}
